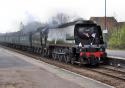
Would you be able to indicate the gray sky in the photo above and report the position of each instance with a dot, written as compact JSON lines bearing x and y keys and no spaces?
{"x":12,"y":12}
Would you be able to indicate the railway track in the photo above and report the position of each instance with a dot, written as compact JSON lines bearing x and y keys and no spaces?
{"x":117,"y":69}
{"x":110,"y":72}
{"x":104,"y":74}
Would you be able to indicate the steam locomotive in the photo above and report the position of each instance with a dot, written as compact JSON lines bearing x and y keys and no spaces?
{"x":78,"y":42}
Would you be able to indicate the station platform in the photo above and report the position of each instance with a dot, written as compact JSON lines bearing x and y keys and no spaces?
{"x":20,"y":71}
{"x":116,"y":57}
{"x":116,"y":53}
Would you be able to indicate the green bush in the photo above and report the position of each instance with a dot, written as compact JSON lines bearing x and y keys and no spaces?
{"x":117,"y":39}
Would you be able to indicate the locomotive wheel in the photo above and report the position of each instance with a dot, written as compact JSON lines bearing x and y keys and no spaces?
{"x":72,"y":60}
{"x":42,"y":53}
{"x":80,"y":62}
{"x":48,"y":53}
{"x":67,"y":59}
{"x":105,"y":61}
{"x":60,"y":58}
{"x":55,"y":56}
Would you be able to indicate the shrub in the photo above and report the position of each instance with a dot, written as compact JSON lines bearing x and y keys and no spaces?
{"x":117,"y":39}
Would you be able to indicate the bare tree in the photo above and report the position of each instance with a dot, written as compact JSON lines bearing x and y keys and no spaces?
{"x":60,"y":18}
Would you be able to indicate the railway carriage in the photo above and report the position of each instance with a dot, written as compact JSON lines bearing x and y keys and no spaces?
{"x":25,"y":41}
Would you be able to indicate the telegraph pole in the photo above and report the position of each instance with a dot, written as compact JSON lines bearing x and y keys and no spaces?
{"x":105,"y":24}
{"x":105,"y":17}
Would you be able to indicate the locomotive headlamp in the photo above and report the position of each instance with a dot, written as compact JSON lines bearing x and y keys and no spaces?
{"x":80,"y":45}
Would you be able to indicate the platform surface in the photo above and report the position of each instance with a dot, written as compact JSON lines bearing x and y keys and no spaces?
{"x":116,"y":53}
{"x":20,"y":71}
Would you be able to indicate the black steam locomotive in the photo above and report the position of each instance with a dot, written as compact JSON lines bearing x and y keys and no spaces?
{"x":74,"y":42}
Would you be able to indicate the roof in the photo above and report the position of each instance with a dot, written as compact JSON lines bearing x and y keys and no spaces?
{"x":121,"y":23}
{"x":103,"y":18}
{"x":111,"y":22}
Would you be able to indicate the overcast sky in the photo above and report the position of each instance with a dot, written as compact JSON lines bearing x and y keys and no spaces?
{"x":12,"y":12}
